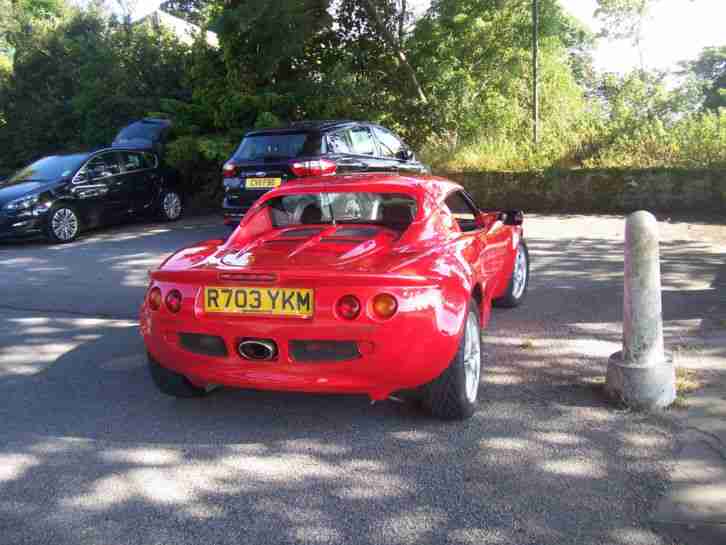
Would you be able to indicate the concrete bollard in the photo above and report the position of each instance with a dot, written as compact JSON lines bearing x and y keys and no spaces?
{"x":642,"y":374}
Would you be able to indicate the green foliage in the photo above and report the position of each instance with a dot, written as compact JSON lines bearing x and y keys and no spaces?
{"x":694,"y":141}
{"x":709,"y":70}
{"x":75,"y":84}
{"x":72,"y":77}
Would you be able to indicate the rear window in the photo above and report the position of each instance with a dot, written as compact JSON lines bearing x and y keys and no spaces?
{"x":392,"y":210}
{"x":277,"y":146}
{"x":141,"y":131}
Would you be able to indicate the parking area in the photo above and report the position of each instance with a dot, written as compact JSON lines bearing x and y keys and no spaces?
{"x":90,"y":452}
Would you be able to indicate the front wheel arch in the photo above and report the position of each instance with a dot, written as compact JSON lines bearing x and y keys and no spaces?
{"x":450,"y":396}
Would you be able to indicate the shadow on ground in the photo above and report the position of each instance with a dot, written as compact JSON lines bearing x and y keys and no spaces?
{"x":92,"y":453}
{"x":101,"y":272}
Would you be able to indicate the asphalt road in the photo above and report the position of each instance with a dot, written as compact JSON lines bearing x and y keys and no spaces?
{"x":91,"y":453}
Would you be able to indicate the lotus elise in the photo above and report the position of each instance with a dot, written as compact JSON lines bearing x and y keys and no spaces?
{"x":362,"y":284}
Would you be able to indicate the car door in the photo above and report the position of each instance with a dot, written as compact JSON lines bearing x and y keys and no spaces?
{"x":99,"y":188}
{"x":496,"y":236}
{"x":391,"y":150}
{"x":394,"y":149}
{"x":365,"y":150}
{"x":339,"y":148}
{"x":476,"y":249}
{"x":140,"y":177}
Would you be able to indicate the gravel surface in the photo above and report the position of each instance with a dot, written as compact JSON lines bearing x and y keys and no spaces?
{"x":91,"y":453}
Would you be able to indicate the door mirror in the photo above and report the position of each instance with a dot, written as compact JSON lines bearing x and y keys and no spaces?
{"x":513,"y":217}
{"x":405,"y":154}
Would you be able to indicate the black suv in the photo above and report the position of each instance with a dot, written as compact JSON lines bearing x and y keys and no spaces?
{"x":267,"y":158}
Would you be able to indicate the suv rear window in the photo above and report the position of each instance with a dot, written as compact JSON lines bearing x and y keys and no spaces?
{"x":277,"y":146}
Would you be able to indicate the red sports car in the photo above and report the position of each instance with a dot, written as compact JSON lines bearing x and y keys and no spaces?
{"x":361,"y":284}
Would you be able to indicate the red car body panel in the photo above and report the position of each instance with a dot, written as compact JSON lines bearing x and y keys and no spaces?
{"x":432,"y":269}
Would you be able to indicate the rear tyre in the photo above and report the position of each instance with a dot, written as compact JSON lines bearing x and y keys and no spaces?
{"x":171,"y":383}
{"x":63,"y":224}
{"x":518,"y":283}
{"x":171,"y":205}
{"x":453,"y":394}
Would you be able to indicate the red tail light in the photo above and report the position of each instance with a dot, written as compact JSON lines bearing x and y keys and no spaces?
{"x":229,"y":170}
{"x":174,"y":301}
{"x":155,"y":299}
{"x":318,"y":167}
{"x":348,"y":307}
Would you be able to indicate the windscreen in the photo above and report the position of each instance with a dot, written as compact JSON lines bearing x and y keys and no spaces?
{"x":392,"y":210}
{"x":277,"y":146}
{"x":48,"y":169}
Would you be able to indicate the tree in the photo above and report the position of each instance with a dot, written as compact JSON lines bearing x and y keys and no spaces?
{"x":709,"y":70}
{"x":624,"y":19}
{"x":76,"y":83}
{"x":394,"y":43}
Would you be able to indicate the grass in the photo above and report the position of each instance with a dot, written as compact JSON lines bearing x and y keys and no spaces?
{"x":686,"y":383}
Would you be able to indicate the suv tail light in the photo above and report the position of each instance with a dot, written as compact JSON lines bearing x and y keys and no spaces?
{"x":317,"y":167}
{"x":229,"y":170}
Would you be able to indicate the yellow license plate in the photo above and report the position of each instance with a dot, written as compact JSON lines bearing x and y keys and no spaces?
{"x":274,"y":301}
{"x":262,"y":183}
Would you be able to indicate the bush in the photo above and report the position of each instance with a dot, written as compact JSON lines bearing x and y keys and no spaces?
{"x":199,"y":161}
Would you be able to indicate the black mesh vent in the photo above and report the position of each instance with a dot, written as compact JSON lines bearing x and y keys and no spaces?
{"x":206,"y":345}
{"x":356,"y":232}
{"x":300,"y":233}
{"x":321,"y":351}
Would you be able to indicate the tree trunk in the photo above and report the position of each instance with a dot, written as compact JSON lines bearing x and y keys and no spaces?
{"x":390,"y":39}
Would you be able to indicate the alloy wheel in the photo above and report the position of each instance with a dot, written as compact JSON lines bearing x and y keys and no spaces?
{"x":519,"y":277}
{"x":472,"y":357}
{"x":172,"y":206}
{"x":64,"y":224}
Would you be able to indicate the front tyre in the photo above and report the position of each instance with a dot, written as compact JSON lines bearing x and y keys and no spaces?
{"x":518,"y":283}
{"x":453,"y":394}
{"x":171,"y":383}
{"x":170,"y":205}
{"x":63,"y":224}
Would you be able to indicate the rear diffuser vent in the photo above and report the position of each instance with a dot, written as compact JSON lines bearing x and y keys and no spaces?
{"x":324,"y":351}
{"x":206,"y":345}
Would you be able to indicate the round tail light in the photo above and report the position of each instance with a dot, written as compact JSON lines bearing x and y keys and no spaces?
{"x":348,"y":307}
{"x":174,"y":301}
{"x":384,"y":305}
{"x":154,"y":299}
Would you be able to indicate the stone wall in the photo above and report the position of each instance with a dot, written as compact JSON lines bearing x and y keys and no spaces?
{"x":660,"y":190}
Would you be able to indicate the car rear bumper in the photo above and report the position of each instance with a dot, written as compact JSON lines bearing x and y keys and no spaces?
{"x":236,"y":205}
{"x":405,"y":352}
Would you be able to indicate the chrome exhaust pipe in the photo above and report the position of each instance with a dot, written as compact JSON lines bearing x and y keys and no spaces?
{"x":257,"y":349}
